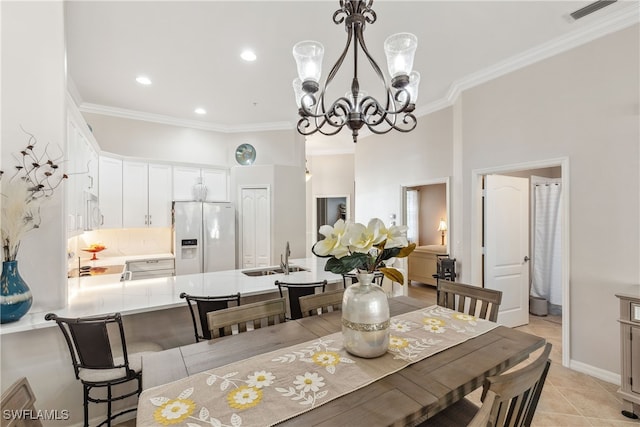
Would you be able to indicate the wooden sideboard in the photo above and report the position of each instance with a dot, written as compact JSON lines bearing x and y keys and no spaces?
{"x":630,"y":351}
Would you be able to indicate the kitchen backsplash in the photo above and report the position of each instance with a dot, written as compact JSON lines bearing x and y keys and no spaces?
{"x":122,"y":242}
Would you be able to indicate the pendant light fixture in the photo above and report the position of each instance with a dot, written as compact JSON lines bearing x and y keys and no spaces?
{"x":357,"y":109}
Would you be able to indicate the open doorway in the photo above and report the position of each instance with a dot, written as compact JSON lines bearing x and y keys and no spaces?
{"x":487,"y":257}
{"x":425,"y":212}
{"x":329,"y":209}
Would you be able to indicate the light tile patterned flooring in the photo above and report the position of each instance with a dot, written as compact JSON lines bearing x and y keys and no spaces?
{"x":569,"y":398}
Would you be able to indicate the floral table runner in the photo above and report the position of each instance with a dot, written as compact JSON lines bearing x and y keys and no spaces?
{"x":273,"y":387}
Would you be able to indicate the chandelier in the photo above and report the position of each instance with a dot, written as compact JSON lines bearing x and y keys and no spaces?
{"x":357,"y":109}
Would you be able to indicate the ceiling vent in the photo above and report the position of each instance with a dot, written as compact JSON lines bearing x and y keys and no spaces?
{"x":590,"y":8}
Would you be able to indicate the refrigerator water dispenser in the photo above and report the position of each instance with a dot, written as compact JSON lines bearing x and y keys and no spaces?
{"x":189,"y":248}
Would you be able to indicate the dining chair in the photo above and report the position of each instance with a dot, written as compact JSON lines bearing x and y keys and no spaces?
{"x":18,"y":405}
{"x":205,"y":304}
{"x":324,"y":302}
{"x":480,"y":302}
{"x":508,"y":399}
{"x":223,"y":322}
{"x":102,"y":362}
{"x":297,"y":290}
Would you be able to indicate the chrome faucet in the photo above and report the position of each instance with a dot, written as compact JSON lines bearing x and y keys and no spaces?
{"x":285,"y":264}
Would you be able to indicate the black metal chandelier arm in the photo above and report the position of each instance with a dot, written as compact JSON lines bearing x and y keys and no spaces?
{"x":374,"y":64}
{"x":336,"y":117}
{"x":304,"y":127}
{"x":408,"y":119}
{"x":338,"y":64}
{"x":369,"y":102}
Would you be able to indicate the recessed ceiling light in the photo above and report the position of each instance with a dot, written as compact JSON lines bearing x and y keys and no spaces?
{"x":200,"y":111}
{"x":248,"y":56}
{"x":143,"y":80}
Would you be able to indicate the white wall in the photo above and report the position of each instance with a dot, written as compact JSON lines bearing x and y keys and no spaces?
{"x":156,"y":141}
{"x":331,"y":175}
{"x":33,"y":96}
{"x":288,"y":210}
{"x":582,"y":104}
{"x":384,"y":163}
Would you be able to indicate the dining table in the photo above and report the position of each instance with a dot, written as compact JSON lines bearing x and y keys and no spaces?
{"x":398,"y":393}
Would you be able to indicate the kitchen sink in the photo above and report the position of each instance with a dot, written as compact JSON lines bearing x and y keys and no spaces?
{"x":272,"y":270}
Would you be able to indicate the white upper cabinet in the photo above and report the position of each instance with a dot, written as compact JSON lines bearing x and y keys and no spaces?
{"x":146,"y":196}
{"x":82,"y":169}
{"x":160,"y":183}
{"x":185,"y":179}
{"x":135,"y":208}
{"x":216,"y":183}
{"x":193,"y":183}
{"x":110,"y":192}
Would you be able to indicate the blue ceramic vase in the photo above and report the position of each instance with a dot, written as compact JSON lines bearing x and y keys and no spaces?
{"x":15,"y":295}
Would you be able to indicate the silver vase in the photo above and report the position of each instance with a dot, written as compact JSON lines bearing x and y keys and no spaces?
{"x":365,"y":318}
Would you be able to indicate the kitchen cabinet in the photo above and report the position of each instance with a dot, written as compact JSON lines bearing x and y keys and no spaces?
{"x":160,"y":188}
{"x":110,"y":192}
{"x":82,"y":169}
{"x":202,"y":184}
{"x":255,"y":227}
{"x":146,"y":195}
{"x":630,"y":351}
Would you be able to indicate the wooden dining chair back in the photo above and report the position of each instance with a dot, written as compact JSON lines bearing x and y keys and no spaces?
{"x":100,"y":361}
{"x":321,"y":303}
{"x":508,"y":400}
{"x":297,"y":290}
{"x":480,"y":302}
{"x":511,"y":399}
{"x":247,"y":316}
{"x":18,"y":406}
{"x":204,"y":305}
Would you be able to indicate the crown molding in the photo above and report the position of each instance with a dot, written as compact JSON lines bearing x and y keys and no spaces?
{"x":168,"y":120}
{"x":623,"y":18}
{"x":617,"y":21}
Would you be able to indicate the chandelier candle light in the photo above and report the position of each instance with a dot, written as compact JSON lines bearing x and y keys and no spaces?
{"x":357,"y":109}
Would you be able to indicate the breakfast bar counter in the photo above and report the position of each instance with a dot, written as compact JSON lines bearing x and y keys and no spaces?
{"x":102,"y":294}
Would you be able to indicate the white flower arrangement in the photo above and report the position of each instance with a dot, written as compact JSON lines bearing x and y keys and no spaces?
{"x":354,"y":246}
{"x":36,"y":177}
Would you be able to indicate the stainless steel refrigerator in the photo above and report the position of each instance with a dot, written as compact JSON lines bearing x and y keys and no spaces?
{"x":204,"y":237}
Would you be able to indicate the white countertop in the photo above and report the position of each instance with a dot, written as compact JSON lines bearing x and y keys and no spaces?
{"x":102,"y":294}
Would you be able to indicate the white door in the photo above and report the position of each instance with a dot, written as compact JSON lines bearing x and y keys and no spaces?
{"x":506,"y":234}
{"x":255,"y":223}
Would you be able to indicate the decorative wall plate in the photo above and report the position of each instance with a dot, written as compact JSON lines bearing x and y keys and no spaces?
{"x":245,"y":154}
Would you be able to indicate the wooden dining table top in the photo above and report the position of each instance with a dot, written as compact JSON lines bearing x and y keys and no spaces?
{"x":403,"y":398}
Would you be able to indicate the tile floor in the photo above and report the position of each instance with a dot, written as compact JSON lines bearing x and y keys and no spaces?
{"x":569,"y":398}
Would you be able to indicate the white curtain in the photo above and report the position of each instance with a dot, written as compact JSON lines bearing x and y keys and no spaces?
{"x":413,"y":211}
{"x":547,"y":256}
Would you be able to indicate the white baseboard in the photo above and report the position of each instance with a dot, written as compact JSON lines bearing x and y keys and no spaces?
{"x":601,"y":374}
